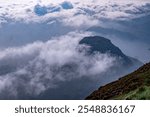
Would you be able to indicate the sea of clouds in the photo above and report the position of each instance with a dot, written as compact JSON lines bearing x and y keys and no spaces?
{"x":39,"y":66}
{"x":39,"y":10}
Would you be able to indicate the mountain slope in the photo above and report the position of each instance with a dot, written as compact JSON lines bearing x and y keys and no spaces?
{"x":103,"y":45}
{"x":133,"y":86}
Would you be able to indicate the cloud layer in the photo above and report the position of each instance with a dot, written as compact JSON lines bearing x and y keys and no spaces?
{"x":33,"y":10}
{"x":40,"y":66}
{"x":31,"y":20}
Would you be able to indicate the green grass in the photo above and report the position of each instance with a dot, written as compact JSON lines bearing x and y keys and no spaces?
{"x":142,"y":93}
{"x":134,"y":86}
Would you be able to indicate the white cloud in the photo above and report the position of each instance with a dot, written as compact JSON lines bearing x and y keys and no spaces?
{"x":24,"y":10}
{"x":45,"y":65}
{"x":28,"y":21}
{"x":80,"y":21}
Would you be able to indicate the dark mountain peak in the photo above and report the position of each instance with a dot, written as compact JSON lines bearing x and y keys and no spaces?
{"x":102,"y":45}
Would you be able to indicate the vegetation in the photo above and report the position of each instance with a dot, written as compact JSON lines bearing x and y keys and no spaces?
{"x":135,"y":86}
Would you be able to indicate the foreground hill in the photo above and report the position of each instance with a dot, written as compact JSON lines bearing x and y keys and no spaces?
{"x":133,"y":86}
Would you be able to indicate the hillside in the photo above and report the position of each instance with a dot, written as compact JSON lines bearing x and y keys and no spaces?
{"x":133,"y":86}
{"x":103,"y":45}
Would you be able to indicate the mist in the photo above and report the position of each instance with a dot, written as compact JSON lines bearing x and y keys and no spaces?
{"x":131,"y":36}
{"x":55,"y":65}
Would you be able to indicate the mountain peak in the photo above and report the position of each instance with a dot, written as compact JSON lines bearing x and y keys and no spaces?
{"x":102,"y":45}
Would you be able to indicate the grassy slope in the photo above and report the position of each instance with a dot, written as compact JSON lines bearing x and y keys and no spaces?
{"x":133,"y":86}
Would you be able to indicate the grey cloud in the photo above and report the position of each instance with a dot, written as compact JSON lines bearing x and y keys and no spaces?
{"x":44,"y":66}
